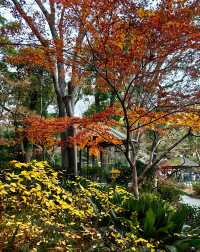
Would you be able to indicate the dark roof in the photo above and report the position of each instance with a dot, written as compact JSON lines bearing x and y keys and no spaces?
{"x":180,"y":162}
{"x":187,"y":162}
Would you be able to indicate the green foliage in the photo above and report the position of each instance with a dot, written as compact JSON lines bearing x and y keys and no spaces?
{"x":102,"y":98}
{"x":149,"y":222}
{"x":169,"y":191}
{"x":7,"y":152}
{"x":196,"y":188}
{"x":188,"y":240}
{"x":157,"y":218}
{"x":192,"y":215}
{"x":91,"y":171}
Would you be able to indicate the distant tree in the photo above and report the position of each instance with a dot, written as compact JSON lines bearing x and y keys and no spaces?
{"x":23,"y":91}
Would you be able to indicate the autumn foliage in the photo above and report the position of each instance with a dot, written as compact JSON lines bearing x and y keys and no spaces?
{"x":91,"y":132}
{"x":144,"y":54}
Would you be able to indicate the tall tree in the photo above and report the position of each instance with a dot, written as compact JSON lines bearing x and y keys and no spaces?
{"x":52,"y":33}
{"x":147,"y":56}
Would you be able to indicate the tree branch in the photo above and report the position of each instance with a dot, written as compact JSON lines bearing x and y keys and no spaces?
{"x":30,"y":23}
{"x":10,"y":111}
{"x":148,"y":167}
{"x":43,"y":9}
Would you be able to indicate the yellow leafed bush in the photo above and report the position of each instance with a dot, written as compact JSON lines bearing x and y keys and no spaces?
{"x":39,"y":212}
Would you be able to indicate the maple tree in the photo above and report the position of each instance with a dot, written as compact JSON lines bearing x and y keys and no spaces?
{"x":145,"y":56}
{"x":134,"y":55}
{"x":95,"y":130}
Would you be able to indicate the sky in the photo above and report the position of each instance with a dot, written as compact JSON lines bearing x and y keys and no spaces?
{"x":83,"y":104}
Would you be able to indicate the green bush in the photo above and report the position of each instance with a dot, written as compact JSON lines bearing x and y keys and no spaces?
{"x":192,"y":215}
{"x":157,"y":218}
{"x":196,"y":188}
{"x":169,"y":192}
{"x":188,"y":240}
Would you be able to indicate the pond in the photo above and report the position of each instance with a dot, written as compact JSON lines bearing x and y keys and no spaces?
{"x":190,"y":200}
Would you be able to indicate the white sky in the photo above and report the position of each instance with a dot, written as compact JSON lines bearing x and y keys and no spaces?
{"x":83,"y":104}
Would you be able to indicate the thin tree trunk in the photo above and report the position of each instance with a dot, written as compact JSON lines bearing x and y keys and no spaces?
{"x":102,"y":160}
{"x":134,"y":181}
{"x":97,"y":102}
{"x":88,"y":161}
{"x":131,"y":158}
{"x":80,"y":162}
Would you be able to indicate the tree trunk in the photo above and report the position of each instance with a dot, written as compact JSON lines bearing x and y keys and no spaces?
{"x":68,"y":153}
{"x":80,"y":163}
{"x":88,"y":161}
{"x":28,"y":149}
{"x":134,"y":180}
{"x":131,"y":158}
{"x":97,"y":102}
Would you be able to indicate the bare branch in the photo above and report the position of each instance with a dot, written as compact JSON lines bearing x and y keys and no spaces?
{"x":150,"y":166}
{"x":43,"y":9}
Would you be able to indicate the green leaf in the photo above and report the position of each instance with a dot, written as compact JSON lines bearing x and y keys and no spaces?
{"x":149,"y":222}
{"x":171,"y":248}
